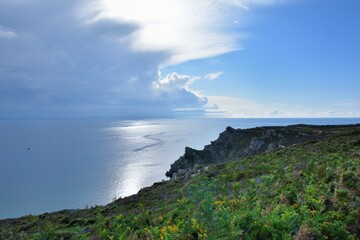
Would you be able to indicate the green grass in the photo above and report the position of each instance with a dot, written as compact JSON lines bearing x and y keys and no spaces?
{"x":308,"y":191}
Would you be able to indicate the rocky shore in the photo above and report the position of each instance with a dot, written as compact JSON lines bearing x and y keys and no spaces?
{"x":236,"y":144}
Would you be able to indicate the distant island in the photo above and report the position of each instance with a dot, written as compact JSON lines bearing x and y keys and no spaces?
{"x":294,"y":182}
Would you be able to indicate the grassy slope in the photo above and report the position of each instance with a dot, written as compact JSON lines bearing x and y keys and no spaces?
{"x":308,"y":191}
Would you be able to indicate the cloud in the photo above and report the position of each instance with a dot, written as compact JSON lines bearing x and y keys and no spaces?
{"x":178,"y":86}
{"x":7,"y":33}
{"x":67,"y":65}
{"x":175,"y":90}
{"x":174,"y":81}
{"x":188,"y":29}
{"x":213,"y":76}
{"x":102,"y":57}
{"x":233,"y":107}
{"x":346,"y":103}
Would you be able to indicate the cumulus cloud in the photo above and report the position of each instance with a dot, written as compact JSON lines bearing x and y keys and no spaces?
{"x":174,"y":81}
{"x":175,"y":89}
{"x":102,"y":57}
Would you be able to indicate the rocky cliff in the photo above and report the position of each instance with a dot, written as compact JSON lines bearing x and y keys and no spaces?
{"x":235,"y":144}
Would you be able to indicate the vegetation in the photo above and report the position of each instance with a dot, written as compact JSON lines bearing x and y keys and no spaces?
{"x":307,"y":191}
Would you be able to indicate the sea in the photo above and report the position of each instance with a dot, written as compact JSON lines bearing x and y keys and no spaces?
{"x":53,"y":164}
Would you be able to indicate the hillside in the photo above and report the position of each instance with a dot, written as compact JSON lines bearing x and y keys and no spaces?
{"x":308,"y":190}
{"x":236,"y":144}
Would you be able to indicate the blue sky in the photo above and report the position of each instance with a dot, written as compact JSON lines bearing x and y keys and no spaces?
{"x":168,"y":58}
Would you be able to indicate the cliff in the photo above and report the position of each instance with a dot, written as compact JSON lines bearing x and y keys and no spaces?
{"x":236,"y":144}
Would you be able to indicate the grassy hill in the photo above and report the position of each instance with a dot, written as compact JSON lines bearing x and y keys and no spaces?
{"x":305,"y":191}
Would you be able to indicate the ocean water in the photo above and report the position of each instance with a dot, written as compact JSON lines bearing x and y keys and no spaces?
{"x":49,"y":165}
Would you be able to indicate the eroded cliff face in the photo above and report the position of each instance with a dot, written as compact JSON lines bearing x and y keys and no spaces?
{"x":235,"y":144}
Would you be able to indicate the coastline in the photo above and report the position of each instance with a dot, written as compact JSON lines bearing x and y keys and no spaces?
{"x":77,"y":163}
{"x":185,"y":171}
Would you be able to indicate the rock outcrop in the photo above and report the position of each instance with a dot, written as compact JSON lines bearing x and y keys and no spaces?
{"x":235,"y":144}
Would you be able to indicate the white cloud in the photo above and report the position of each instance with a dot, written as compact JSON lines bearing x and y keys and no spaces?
{"x":173,"y":82}
{"x":188,"y":29}
{"x":175,"y":89}
{"x":213,"y":76}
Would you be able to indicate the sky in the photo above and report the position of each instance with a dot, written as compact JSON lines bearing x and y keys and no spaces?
{"x":179,"y":58}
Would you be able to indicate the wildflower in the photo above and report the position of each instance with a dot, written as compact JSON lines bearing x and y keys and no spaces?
{"x":160,"y":218}
{"x":172,"y":229}
{"x":219,"y":203}
{"x":312,"y":212}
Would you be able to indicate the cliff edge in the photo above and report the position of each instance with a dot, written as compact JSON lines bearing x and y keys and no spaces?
{"x":236,"y":144}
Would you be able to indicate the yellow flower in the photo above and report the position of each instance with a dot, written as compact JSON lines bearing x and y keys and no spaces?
{"x":233,"y":201}
{"x":172,"y":229}
{"x":312,"y":212}
{"x":159,"y":219}
{"x":219,"y":203}
{"x":196,"y":226}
